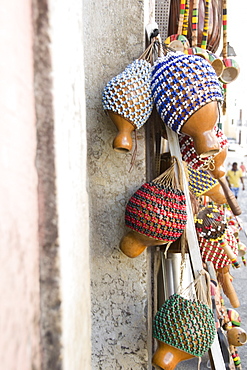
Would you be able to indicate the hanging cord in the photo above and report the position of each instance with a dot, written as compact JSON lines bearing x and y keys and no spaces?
{"x":169,"y":177}
{"x":134,"y":154}
{"x":209,"y":163}
{"x":206,"y":25}
{"x":199,"y":288}
{"x":183,"y":259}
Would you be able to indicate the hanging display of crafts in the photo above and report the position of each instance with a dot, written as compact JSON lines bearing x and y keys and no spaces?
{"x":179,"y":327}
{"x":156,"y":213}
{"x":186,"y":92}
{"x":128,"y":100}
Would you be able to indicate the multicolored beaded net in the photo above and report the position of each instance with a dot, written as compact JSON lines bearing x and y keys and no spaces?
{"x":211,"y":251}
{"x":157,"y":211}
{"x":185,"y":324}
{"x":210,"y":223}
{"x":181,"y":84}
{"x":129,"y":93}
{"x":158,"y":208}
{"x":200,"y":181}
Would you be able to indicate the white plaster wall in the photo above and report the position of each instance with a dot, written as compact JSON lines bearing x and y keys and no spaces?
{"x":113,"y":38}
{"x":72,"y":197}
{"x":19,"y":247}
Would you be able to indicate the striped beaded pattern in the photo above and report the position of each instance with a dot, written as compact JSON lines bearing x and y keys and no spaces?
{"x":157,"y":211}
{"x":181,"y":16}
{"x":186,"y":18}
{"x":200,"y":181}
{"x":211,"y":251}
{"x":129,"y":94}
{"x":188,"y":151}
{"x":194,"y":23}
{"x":181,"y":84}
{"x":206,"y":24}
{"x":185,"y":324}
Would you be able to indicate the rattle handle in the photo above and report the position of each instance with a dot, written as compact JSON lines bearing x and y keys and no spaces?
{"x":228,"y":251}
{"x":225,"y":279}
{"x":231,"y":200}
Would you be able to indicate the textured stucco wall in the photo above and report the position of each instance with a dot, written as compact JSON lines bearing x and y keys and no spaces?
{"x":19,"y":248}
{"x":113,"y":38}
{"x":66,"y":47}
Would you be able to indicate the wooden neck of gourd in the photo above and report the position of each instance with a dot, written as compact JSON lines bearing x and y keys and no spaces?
{"x":167,"y":357}
{"x":134,"y":243}
{"x":200,"y":126}
{"x":123,"y":140}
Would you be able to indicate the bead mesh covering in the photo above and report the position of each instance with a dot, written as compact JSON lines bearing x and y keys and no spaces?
{"x":181,"y":84}
{"x":129,"y":94}
{"x":210,"y":223}
{"x":188,"y":151}
{"x":157,"y":211}
{"x":200,"y":181}
{"x":211,"y":251}
{"x":185,"y":324}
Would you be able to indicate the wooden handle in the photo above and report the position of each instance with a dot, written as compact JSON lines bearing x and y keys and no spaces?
{"x":231,"y":200}
{"x":228,"y":289}
{"x":228,"y":251}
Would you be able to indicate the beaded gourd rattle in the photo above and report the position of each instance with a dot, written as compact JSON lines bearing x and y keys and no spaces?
{"x":186,"y":93}
{"x":202,"y":184}
{"x":156,"y":213}
{"x":210,"y":224}
{"x":211,"y":251}
{"x":128,"y":101}
{"x":184,"y":328}
{"x":213,"y":164}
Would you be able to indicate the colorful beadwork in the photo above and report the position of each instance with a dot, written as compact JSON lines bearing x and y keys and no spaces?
{"x":211,"y":251}
{"x":206,"y":24}
{"x":129,"y":94}
{"x":157,"y":211}
{"x":200,"y":181}
{"x":210,"y":223}
{"x":186,"y":18}
{"x":185,"y":324}
{"x":234,"y":317}
{"x":181,"y":84}
{"x":188,"y":151}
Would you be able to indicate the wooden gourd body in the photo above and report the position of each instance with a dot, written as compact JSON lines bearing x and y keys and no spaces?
{"x":236,"y":337}
{"x":134,"y":243}
{"x":200,"y":127}
{"x":167,"y":357}
{"x":123,"y":140}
